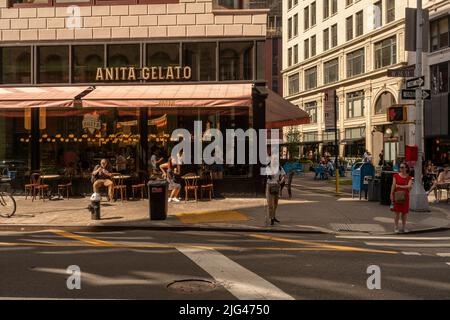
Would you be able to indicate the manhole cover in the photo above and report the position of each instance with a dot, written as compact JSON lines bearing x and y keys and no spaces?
{"x":191,"y":286}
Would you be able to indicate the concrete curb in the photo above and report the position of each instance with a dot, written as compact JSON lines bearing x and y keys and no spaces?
{"x":100,"y":228}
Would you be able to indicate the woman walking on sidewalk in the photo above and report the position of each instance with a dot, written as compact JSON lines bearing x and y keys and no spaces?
{"x":401,"y":186}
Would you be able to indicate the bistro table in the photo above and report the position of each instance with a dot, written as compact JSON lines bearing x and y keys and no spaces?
{"x":52,"y":181}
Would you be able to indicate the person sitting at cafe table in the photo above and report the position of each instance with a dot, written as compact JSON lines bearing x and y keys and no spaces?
{"x":443,"y":178}
{"x":102,"y":177}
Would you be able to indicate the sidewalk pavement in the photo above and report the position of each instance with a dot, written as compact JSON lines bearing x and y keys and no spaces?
{"x":314,"y":207}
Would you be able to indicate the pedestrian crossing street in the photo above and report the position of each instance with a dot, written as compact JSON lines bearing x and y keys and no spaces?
{"x":409,"y":245}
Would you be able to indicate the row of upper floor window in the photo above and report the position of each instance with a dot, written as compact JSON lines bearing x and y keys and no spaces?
{"x":439,"y":38}
{"x":355,"y":106}
{"x":385,"y":54}
{"x":217,"y":4}
{"x":355,"y":102}
{"x":354,"y":24}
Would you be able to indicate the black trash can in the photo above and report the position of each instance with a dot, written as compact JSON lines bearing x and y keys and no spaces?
{"x":374,"y":189}
{"x":157,"y":196}
{"x":385,"y":187}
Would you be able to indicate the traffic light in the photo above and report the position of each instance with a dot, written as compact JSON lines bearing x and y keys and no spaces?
{"x":397,"y":113}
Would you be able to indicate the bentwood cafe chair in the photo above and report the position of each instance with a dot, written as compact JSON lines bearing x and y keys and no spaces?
{"x":191,"y":185}
{"x":120,"y":187}
{"x":139,"y":186}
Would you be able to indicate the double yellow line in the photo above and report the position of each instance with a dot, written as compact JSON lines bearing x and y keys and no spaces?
{"x":311,"y":245}
{"x":320,"y":245}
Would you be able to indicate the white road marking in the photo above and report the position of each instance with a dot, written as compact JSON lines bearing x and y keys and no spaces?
{"x":395,"y":238}
{"x":443,"y":254}
{"x":239,"y":281}
{"x":448,"y":263}
{"x":411,"y":253}
{"x":419,"y":245}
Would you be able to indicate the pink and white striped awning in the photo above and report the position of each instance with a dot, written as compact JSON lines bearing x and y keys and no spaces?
{"x":48,"y":97}
{"x":169,"y":96}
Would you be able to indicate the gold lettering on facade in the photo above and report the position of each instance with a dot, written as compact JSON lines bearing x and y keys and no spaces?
{"x":186,"y":73}
{"x":169,"y":74}
{"x":123,"y":69}
{"x":145,"y":73}
{"x":131,"y":74}
{"x":109,"y":74}
{"x":153,"y":73}
{"x":99,"y":76}
{"x":178,"y":71}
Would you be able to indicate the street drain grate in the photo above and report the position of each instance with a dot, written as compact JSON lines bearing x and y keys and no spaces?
{"x":345,"y":227}
{"x":192,"y":286}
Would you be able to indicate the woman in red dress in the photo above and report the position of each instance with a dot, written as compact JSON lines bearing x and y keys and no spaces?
{"x":401,"y":186}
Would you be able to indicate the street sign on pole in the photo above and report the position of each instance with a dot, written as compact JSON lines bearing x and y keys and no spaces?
{"x":411,"y":94}
{"x":415,"y":83}
{"x":405,"y":72}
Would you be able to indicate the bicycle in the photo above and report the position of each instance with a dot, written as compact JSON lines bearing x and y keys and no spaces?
{"x":7,"y":201}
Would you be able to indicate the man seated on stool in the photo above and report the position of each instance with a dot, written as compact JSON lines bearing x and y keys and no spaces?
{"x":101,"y":177}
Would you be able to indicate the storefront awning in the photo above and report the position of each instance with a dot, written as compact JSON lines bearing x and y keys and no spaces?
{"x":169,"y":96}
{"x":49,"y":97}
{"x":281,"y":113}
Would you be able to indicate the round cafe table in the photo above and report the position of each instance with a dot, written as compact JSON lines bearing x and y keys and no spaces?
{"x":52,"y":181}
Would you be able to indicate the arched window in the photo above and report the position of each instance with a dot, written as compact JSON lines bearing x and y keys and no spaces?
{"x":384,"y":101}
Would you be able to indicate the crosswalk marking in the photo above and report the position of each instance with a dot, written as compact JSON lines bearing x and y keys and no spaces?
{"x":418,"y":245}
{"x":443,"y":254}
{"x":395,"y":238}
{"x":411,"y":253}
{"x":320,"y":244}
{"x":239,"y":281}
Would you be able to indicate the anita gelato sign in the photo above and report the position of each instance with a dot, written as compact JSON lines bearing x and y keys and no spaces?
{"x":154,"y":73}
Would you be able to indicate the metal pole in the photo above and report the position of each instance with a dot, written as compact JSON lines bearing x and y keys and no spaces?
{"x":336,"y":151}
{"x":419,"y":199}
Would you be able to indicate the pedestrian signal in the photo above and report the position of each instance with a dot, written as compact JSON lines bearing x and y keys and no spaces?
{"x":397,"y":113}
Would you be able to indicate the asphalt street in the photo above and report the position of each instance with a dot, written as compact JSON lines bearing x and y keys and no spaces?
{"x":222,"y":265}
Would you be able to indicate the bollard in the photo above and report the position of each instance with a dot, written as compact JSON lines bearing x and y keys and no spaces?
{"x":94,"y":207}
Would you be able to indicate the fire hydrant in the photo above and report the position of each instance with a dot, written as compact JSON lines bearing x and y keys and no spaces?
{"x":94,"y":207}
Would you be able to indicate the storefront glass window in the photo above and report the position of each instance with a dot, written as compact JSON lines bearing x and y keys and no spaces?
{"x":236,"y":61}
{"x":15,"y":65}
{"x":123,"y":55}
{"x":162,"y":122}
{"x":163,"y":54}
{"x":86,"y":60}
{"x":201,"y":57}
{"x":15,"y":136}
{"x":53,"y":64}
{"x":77,"y":139}
{"x":439,"y":78}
